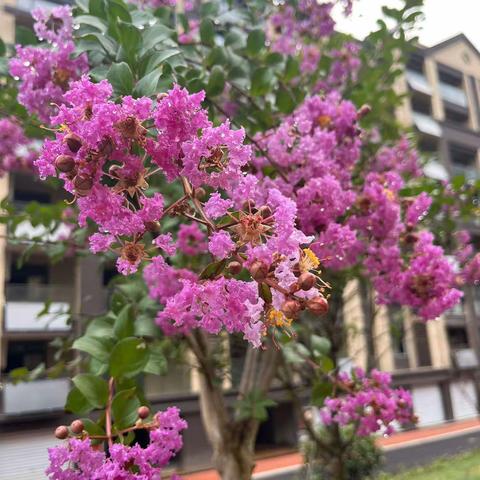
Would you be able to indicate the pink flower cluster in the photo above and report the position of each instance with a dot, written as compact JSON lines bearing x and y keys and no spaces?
{"x":367,"y":222}
{"x":368,"y":403}
{"x":106,"y":156}
{"x":45,"y":72}
{"x":17,"y":152}
{"x":467,"y":258}
{"x":78,"y":459}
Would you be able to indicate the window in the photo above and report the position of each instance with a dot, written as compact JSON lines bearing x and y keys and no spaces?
{"x":28,"y":354}
{"x":464,"y":161}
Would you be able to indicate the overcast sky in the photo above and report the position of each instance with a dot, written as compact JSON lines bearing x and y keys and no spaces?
{"x":443,"y":19}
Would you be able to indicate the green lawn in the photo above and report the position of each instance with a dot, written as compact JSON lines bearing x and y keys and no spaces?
{"x":461,"y":467}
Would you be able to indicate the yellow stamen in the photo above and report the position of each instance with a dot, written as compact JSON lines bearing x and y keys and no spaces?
{"x":309,"y":260}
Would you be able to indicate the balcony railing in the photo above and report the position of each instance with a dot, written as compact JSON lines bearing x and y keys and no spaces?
{"x":427,"y":124}
{"x":24,"y":303}
{"x":453,"y":95}
{"x":33,"y":397}
{"x":25,"y":230}
{"x":418,"y":82}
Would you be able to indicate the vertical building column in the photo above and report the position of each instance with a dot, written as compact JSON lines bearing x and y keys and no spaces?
{"x":438,"y":343}
{"x":4,"y":187}
{"x":431,"y":73}
{"x":410,"y":345}
{"x":383,"y":341}
{"x":354,"y":325}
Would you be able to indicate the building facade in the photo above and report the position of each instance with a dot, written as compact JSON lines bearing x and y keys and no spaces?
{"x":439,"y":361}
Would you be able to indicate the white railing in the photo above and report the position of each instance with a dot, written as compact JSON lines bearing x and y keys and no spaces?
{"x":427,"y":124}
{"x":36,"y":396}
{"x":453,"y":95}
{"x":418,"y":82}
{"x":24,"y":303}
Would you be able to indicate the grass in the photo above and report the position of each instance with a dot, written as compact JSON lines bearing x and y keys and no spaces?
{"x":461,"y":467}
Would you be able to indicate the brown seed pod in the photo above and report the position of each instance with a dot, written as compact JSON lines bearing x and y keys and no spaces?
{"x":265,"y":211}
{"x":83,"y":184}
{"x":234,"y":267}
{"x":199,"y":193}
{"x":306,"y":281}
{"x":76,"y":427}
{"x":65,"y":163}
{"x":318,"y":305}
{"x":61,"y":432}
{"x":291,"y":308}
{"x":143,"y":412}
{"x":74,"y":142}
{"x":259,"y":270}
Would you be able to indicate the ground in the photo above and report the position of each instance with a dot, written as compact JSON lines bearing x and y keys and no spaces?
{"x":461,"y":467}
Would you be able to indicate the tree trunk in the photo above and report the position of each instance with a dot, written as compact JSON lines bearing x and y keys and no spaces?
{"x":232,"y":440}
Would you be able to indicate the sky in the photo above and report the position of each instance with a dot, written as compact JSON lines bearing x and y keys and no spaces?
{"x":443,"y":19}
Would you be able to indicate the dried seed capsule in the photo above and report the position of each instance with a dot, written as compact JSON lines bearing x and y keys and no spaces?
{"x":259,"y":270}
{"x":83,"y":185}
{"x":234,"y":267}
{"x":291,"y":308}
{"x":65,"y":163}
{"x":318,"y":305}
{"x":73,"y":142}
{"x":306,"y":281}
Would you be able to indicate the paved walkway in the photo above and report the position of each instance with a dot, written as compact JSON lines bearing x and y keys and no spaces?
{"x":398,"y":440}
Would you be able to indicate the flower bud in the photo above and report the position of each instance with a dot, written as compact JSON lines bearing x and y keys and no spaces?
{"x":83,"y":184}
{"x":61,"y":432}
{"x":291,"y":308}
{"x":76,"y":427}
{"x":318,"y":305}
{"x":306,"y":281}
{"x":65,"y":163}
{"x":234,"y":267}
{"x":259,"y":270}
{"x":73,"y":142}
{"x":143,"y":412}
{"x":152,"y":227}
{"x":363,"y":111}
{"x":199,"y":193}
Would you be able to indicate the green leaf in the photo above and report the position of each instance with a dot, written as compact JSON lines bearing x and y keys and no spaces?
{"x":216,"y":56}
{"x":262,"y":79}
{"x":91,"y":21}
{"x":216,"y":82}
{"x":124,"y":324}
{"x":121,"y":78}
{"x":213,"y":270}
{"x":128,"y":357}
{"x":160,"y":57}
{"x":3,"y":49}
{"x":254,"y":405}
{"x":234,"y":40}
{"x":292,"y":69}
{"x":320,"y":391}
{"x":97,"y":8}
{"x":118,"y":10}
{"x":124,"y":408}
{"x":77,"y":402}
{"x":264,"y":292}
{"x":320,"y":345}
{"x":207,"y":32}
{"x":130,"y":37}
{"x":284,"y":101}
{"x":157,"y":363}
{"x":25,"y":36}
{"x":107,"y":44}
{"x":148,"y":85}
{"x":255,"y":42}
{"x":100,"y":327}
{"x":154,"y":36}
{"x":92,"y":427}
{"x":93,"y":388}
{"x":97,"y":347}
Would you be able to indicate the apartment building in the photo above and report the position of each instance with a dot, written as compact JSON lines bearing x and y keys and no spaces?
{"x":439,"y":360}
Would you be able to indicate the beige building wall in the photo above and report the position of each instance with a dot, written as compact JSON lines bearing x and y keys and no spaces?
{"x":7,"y":22}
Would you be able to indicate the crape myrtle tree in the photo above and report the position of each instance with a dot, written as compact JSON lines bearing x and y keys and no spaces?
{"x":239,"y":163}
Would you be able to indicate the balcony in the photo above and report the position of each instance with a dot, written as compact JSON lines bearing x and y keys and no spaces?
{"x":427,"y":124}
{"x":33,"y":397}
{"x":26,"y":231}
{"x":418,"y":82}
{"x":453,"y":95}
{"x":24,"y":302}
